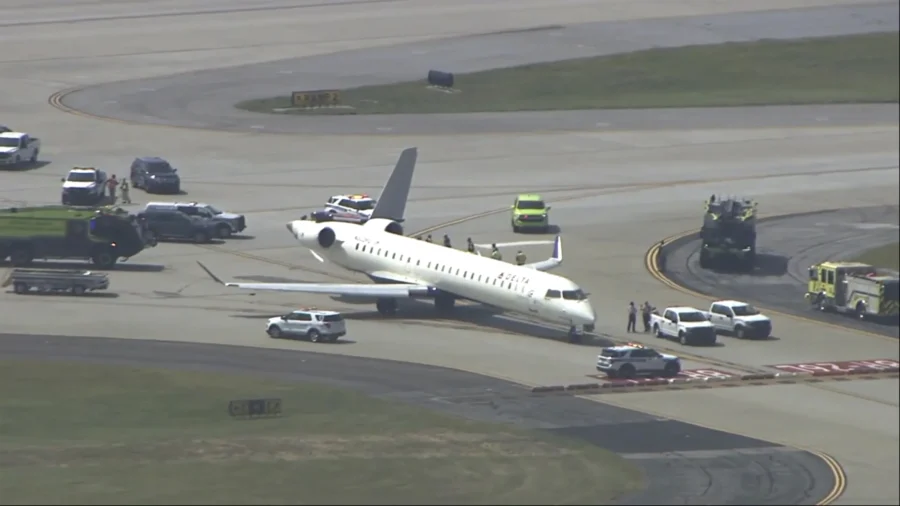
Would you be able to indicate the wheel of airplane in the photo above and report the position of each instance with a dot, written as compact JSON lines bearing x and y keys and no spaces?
{"x":386,"y":306}
{"x":444,"y":301}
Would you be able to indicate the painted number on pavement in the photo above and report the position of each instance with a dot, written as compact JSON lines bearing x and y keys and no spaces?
{"x":880,"y":364}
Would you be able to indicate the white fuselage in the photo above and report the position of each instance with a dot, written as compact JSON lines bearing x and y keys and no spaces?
{"x":395,"y":258}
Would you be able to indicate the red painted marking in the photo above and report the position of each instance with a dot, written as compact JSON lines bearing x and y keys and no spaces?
{"x":841,"y":366}
{"x":692,"y":374}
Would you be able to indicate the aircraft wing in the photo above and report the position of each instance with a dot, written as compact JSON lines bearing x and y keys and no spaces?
{"x":375,"y":290}
{"x":554,"y":261}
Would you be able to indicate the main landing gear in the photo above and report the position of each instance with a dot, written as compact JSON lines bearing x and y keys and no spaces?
{"x":386,"y":307}
{"x":443,"y":302}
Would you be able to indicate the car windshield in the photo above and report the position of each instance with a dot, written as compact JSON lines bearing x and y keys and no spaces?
{"x":609,"y":352}
{"x":692,"y":316}
{"x":530,"y":204}
{"x":362,"y":205}
{"x":332,"y":318}
{"x":7,"y":142}
{"x":81,"y":177}
{"x":159,"y":168}
{"x":747,"y":310}
{"x":574,"y":295}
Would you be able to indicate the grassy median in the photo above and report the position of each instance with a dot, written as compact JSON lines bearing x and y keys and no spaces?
{"x":887,"y":256}
{"x":101,"y":434}
{"x":846,"y":69}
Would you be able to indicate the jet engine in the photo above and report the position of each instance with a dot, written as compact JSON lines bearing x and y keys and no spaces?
{"x":326,"y":237}
{"x":391,"y":227}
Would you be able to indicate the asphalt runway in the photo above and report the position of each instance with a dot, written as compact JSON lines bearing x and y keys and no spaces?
{"x":684,"y":463}
{"x":206,"y":99}
{"x":787,"y":247}
{"x":614,"y":194}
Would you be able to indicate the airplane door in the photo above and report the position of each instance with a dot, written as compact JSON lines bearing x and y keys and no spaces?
{"x":534,"y":302}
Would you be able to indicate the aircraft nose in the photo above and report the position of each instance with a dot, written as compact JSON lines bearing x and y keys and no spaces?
{"x":587,"y":315}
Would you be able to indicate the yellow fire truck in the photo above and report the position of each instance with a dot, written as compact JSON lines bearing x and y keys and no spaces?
{"x":855,"y":288}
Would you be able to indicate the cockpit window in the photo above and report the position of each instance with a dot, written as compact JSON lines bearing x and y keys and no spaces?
{"x":574,"y":295}
{"x":553,"y":294}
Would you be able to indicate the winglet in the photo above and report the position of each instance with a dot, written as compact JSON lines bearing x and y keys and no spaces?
{"x":557,"y":250}
{"x":392,"y":201}
{"x":213,"y":276}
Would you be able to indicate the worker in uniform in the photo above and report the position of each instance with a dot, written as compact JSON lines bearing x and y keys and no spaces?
{"x":447,"y":241}
{"x":520,"y":258}
{"x":126,"y":198}
{"x":470,"y":246}
{"x":632,"y":317}
{"x":646,"y":309}
{"x":428,"y":239}
{"x":495,"y":253}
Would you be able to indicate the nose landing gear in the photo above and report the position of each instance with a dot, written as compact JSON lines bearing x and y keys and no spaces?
{"x":575,"y":337}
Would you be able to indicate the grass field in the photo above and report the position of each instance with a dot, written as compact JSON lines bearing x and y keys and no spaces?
{"x":887,"y":256}
{"x":98,"y":434}
{"x":858,"y":68}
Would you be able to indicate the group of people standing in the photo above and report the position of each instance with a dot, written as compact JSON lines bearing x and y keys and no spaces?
{"x":646,"y":310}
{"x":470,"y":247}
{"x":112,"y":185}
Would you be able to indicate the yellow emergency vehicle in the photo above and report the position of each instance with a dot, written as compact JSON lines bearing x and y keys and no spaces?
{"x":855,"y":288}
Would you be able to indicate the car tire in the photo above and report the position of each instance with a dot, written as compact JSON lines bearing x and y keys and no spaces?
{"x":740,"y":332}
{"x":103,"y":259}
{"x":682,"y":338}
{"x":34,"y":157}
{"x":516,"y":229}
{"x":671,"y":370}
{"x":626,"y":371}
{"x":314,"y":336}
{"x":274,"y":332}
{"x":20,"y":288}
{"x":201,"y":238}
{"x":77,"y":290}
{"x":223,"y":231}
{"x":20,"y":257}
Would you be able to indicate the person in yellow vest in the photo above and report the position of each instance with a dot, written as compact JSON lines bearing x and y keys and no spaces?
{"x":470,"y":246}
{"x":520,"y":258}
{"x":495,"y":253}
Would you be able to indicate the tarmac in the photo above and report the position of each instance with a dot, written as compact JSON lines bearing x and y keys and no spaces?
{"x":615,"y":192}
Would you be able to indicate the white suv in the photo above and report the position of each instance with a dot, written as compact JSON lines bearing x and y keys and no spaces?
{"x":633,"y":359}
{"x":309,"y":323}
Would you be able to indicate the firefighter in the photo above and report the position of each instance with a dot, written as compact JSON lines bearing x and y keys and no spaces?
{"x":520,"y":258}
{"x":470,"y":246}
{"x":126,"y":198}
{"x":447,"y":241}
{"x":495,"y":253}
{"x":428,"y":239}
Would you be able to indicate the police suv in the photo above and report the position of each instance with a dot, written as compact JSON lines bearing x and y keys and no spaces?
{"x":309,"y":323}
{"x":360,"y":204}
{"x":633,"y":359}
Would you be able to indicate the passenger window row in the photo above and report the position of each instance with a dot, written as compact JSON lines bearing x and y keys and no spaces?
{"x":483,"y":278}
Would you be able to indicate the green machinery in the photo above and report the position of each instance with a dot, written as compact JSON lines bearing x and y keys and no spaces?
{"x":101,"y":235}
{"x":729,"y":233}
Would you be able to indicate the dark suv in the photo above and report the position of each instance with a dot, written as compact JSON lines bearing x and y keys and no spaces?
{"x":155,"y":175}
{"x":173,"y":225}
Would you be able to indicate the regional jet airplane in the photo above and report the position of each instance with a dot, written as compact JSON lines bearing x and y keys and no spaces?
{"x":403,"y":267}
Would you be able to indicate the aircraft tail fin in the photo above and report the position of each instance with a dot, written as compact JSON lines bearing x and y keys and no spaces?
{"x":392,"y":201}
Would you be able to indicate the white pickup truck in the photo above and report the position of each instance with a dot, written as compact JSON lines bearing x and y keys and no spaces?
{"x":739,"y":319}
{"x":18,"y":147}
{"x":688,"y":325}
